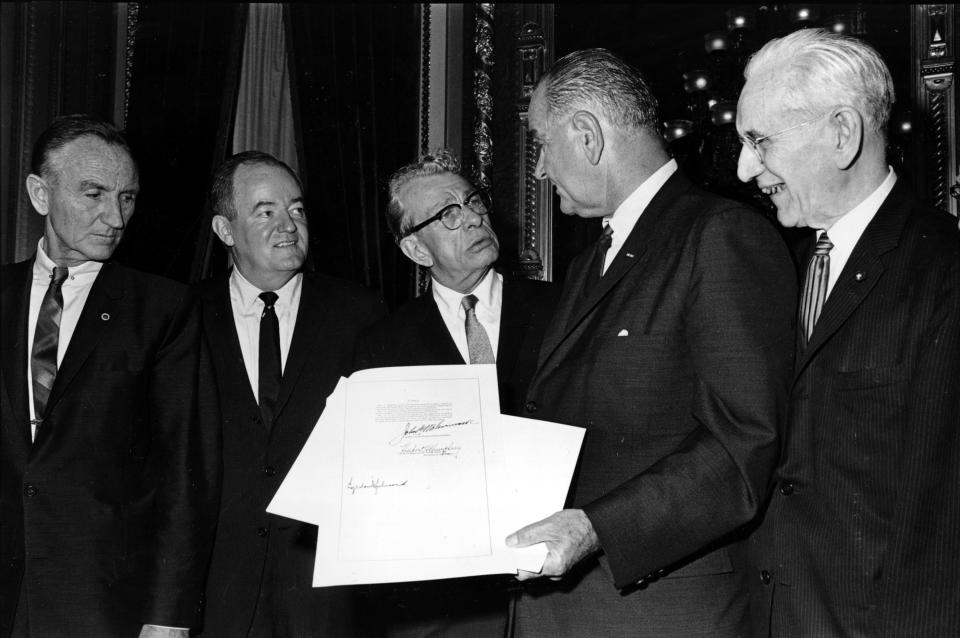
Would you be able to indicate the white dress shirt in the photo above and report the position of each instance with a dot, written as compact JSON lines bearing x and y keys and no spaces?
{"x":489,"y":293}
{"x":75,"y":289}
{"x":247,"y":308}
{"x":628,"y":212}
{"x":846,"y":231}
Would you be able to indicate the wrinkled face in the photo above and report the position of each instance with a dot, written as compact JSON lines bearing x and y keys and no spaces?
{"x":268,"y":236}
{"x":87,"y":198}
{"x":560,"y":160}
{"x":454,"y":256}
{"x":798,"y":172}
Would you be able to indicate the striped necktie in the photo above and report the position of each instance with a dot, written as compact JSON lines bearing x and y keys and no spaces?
{"x":46,"y":340}
{"x":814,"y":288}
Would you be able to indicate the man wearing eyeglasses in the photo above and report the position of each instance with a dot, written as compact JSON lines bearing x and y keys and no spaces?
{"x":472,"y":314}
{"x":671,"y":345}
{"x":862,"y":533}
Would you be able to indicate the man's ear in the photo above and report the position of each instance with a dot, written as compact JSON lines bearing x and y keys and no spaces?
{"x":416,"y":251}
{"x":588,"y":135}
{"x":221,"y":226}
{"x":847,"y":134}
{"x":39,"y":193}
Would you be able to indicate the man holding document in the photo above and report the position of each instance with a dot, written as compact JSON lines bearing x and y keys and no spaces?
{"x":671,"y":346}
{"x":472,"y":314}
{"x":281,"y":339}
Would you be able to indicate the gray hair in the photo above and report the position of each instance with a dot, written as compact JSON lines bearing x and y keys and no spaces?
{"x":597,"y":78}
{"x":823,"y":69}
{"x":438,"y":162}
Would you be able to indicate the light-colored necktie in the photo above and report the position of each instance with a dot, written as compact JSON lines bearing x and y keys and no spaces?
{"x":815,"y":288}
{"x":478,"y":344}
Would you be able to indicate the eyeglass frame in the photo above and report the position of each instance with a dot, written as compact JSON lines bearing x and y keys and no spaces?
{"x":449,"y":208}
{"x":754,"y":143}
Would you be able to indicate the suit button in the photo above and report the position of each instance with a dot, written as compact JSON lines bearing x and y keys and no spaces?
{"x":270,"y":470}
{"x":262,"y":532}
{"x":765,"y":577}
{"x":786,"y":489}
{"x":30,"y":490}
{"x":531,"y":406}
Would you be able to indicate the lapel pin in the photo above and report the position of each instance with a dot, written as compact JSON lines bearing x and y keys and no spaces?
{"x":105,"y":316}
{"x":860,"y":275}
{"x":630,"y":255}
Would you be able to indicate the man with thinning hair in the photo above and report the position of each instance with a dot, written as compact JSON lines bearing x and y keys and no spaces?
{"x":281,"y":339}
{"x":671,"y":346}
{"x":861,"y":535}
{"x":472,"y":314}
{"x":108,"y":445}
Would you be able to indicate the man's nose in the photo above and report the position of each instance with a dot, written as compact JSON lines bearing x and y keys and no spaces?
{"x":113,"y":214}
{"x":538,"y":172}
{"x":471,"y":218}
{"x":748,"y":164}
{"x":285,"y":222}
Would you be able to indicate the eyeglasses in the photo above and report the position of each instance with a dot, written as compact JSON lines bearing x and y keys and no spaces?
{"x":451,"y":215}
{"x":753,"y":143}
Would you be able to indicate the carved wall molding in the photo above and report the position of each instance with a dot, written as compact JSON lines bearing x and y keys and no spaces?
{"x":934,"y":39}
{"x":133,"y":19}
{"x":482,"y":96}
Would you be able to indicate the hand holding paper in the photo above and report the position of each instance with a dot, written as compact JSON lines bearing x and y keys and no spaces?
{"x":569,"y":537}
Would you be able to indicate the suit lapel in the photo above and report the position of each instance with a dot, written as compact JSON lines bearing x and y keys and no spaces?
{"x":514,"y":324}
{"x":221,"y":332}
{"x":433,"y":335}
{"x":312,"y":319}
{"x":576,"y":305}
{"x":862,"y":271}
{"x":101,"y":308}
{"x":15,"y":301}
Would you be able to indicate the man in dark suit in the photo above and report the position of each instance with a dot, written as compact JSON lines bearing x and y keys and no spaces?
{"x":861,"y":535}
{"x":109,"y":470}
{"x":671,"y":346}
{"x":281,"y":339}
{"x":441,"y":222}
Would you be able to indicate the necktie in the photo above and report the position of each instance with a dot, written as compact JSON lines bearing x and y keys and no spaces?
{"x":478,"y":344}
{"x":600,"y":255}
{"x":270,"y":369}
{"x":46,"y":338}
{"x":814,"y":288}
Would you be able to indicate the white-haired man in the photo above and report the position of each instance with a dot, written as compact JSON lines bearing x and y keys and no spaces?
{"x":861,"y":535}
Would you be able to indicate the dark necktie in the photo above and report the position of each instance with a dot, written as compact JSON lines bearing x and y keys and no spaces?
{"x":46,"y":338}
{"x":478,"y":344}
{"x":270,"y":369}
{"x":814,"y":288}
{"x":599,"y":256}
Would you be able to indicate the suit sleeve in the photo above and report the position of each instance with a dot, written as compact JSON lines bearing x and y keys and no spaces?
{"x":185,"y":465}
{"x":739,"y":316}
{"x":920,"y":579}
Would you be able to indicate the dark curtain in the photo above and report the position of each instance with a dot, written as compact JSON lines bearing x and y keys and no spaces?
{"x":355,"y":72}
{"x":185,"y":63}
{"x":57,"y":58}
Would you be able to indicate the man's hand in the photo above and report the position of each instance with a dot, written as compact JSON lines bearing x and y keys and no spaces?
{"x":569,"y":536}
{"x":153,"y":631}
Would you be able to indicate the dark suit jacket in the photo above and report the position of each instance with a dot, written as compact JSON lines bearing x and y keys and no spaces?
{"x":676,"y":363}
{"x":106,"y":516}
{"x":415,"y":334}
{"x":862,"y":536}
{"x":262,"y":562}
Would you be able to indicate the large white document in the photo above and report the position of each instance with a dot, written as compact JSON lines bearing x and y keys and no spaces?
{"x":412,"y":474}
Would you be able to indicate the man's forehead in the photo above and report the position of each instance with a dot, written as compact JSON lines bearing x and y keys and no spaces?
{"x":432,"y":189}
{"x":255,"y":180}
{"x":91,"y":158}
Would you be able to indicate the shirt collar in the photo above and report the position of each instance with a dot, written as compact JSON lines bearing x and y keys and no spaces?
{"x":248,"y":296}
{"x":847,"y":230}
{"x":486,"y":292}
{"x":628,"y":212}
{"x":43,"y":266}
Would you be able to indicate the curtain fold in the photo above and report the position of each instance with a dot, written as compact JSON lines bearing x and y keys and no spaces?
{"x":355,"y":71}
